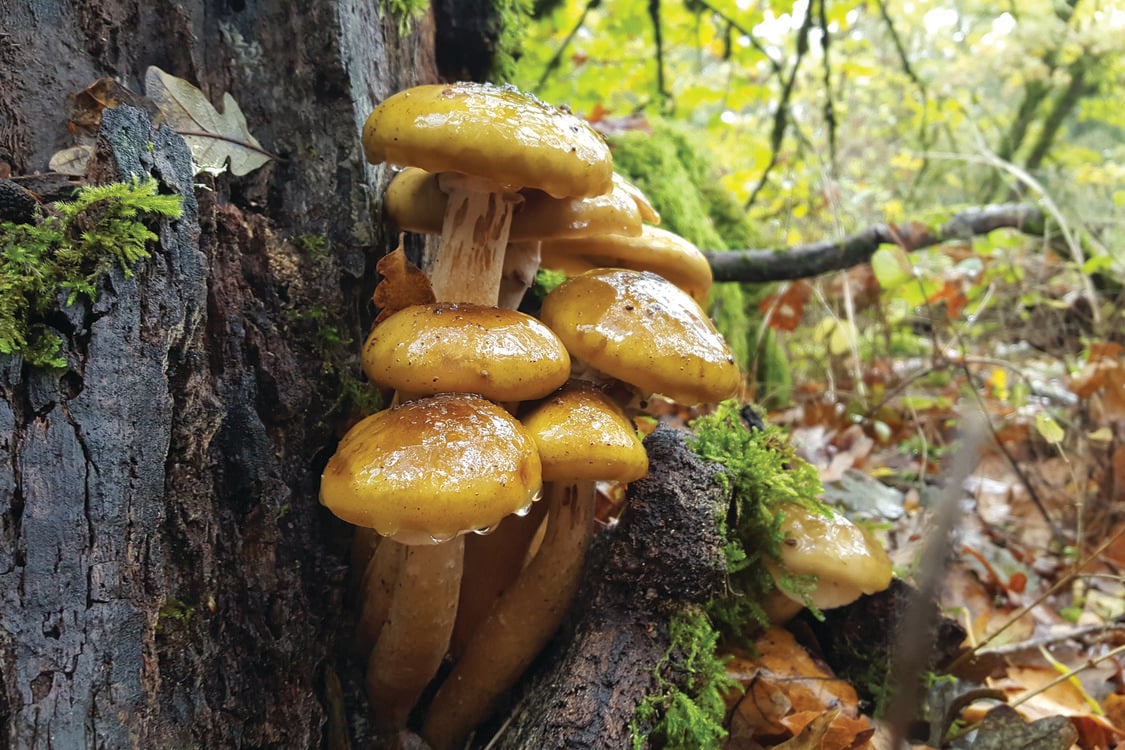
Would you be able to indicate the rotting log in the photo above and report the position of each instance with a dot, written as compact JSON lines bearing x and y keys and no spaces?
{"x":665,"y":554}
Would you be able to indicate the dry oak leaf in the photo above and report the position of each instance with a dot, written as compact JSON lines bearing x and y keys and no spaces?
{"x":403,"y":285}
{"x":215,"y":138}
{"x":786,"y":689}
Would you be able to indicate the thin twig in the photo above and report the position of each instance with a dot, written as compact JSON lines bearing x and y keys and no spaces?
{"x":553,"y":63}
{"x":1055,"y":587}
{"x":911,"y":653}
{"x":781,"y":114}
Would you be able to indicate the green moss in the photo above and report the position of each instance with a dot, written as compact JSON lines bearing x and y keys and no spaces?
{"x":681,"y":180}
{"x":687,"y":712}
{"x":765,"y":474}
{"x":334,"y":349}
{"x":512,"y":17}
{"x":405,"y":13}
{"x":173,"y":612}
{"x":316,"y":245}
{"x":67,"y":253}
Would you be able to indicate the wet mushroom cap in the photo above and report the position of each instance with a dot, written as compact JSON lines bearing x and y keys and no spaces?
{"x":511,"y":137}
{"x":449,"y":347}
{"x":655,"y":249}
{"x":582,"y":435}
{"x":642,"y":329}
{"x":415,"y":203}
{"x":846,"y":561}
{"x":427,"y":470}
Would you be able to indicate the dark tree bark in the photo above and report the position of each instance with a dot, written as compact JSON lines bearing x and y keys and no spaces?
{"x":167,"y":576}
{"x":664,"y":556}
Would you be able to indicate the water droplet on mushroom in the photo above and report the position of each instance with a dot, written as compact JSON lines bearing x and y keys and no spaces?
{"x":486,"y":530}
{"x":439,"y":538}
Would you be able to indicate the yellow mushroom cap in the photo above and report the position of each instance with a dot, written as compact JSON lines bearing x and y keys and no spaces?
{"x":644,"y":330}
{"x":846,"y":561}
{"x":450,"y":347}
{"x":499,"y":133}
{"x":414,"y":202}
{"x":656,"y":250}
{"x":427,"y":470}
{"x":583,"y":435}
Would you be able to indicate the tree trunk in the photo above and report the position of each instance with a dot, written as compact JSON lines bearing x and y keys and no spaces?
{"x":167,"y":576}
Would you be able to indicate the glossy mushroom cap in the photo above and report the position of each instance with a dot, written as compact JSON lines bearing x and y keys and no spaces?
{"x":415,"y":203}
{"x":846,"y":561}
{"x":448,"y":347}
{"x":656,"y":250}
{"x":642,"y":329}
{"x":582,"y":435}
{"x":430,"y":469}
{"x":510,"y":137}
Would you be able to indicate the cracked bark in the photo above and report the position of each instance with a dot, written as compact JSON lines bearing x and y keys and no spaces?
{"x":167,"y":577}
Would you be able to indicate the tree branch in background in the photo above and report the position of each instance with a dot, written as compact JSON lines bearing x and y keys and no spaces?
{"x":904,"y":61}
{"x":829,"y":103}
{"x":781,"y":114}
{"x":774,"y":64}
{"x":1063,"y":105}
{"x":553,"y":63}
{"x":658,"y":40}
{"x":804,"y":261}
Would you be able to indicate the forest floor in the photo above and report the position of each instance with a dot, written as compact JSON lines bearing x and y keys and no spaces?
{"x":1034,"y":574}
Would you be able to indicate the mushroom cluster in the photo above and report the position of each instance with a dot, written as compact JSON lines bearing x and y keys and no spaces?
{"x":494,"y":407}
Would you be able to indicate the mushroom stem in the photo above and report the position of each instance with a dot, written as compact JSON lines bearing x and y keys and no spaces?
{"x":521,"y":263}
{"x":492,"y":564}
{"x":522,"y":621}
{"x":474,"y":234}
{"x":407,"y":655}
{"x":379,"y":579}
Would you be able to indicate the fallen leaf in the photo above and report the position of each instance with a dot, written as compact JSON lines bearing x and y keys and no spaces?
{"x":71,"y":161}
{"x":1002,"y":728}
{"x":786,"y":689}
{"x":105,"y":93}
{"x":786,"y":309}
{"x":218,"y":140}
{"x":403,"y":285}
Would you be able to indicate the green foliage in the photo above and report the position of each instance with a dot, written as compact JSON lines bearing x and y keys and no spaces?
{"x":687,"y":713}
{"x":765,"y":474}
{"x":68,"y":253}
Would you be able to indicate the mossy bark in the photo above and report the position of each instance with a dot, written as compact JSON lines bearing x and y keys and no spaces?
{"x":664,"y":556}
{"x":167,"y":576}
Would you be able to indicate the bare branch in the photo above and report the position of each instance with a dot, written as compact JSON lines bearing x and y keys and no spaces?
{"x":803,"y":261}
{"x":781,"y":114}
{"x":553,"y":63}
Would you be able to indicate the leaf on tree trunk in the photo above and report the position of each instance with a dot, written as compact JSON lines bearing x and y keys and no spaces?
{"x":403,"y":285}
{"x":218,"y":140}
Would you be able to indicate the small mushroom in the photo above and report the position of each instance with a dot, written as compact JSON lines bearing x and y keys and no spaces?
{"x":423,"y":473}
{"x":655,"y":250}
{"x":449,"y":347}
{"x":641,"y":329}
{"x":842,"y":558}
{"x":582,"y":436}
